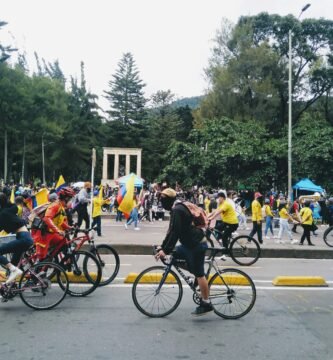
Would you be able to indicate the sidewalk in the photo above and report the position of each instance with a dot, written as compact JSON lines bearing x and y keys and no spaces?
{"x":140,"y":242}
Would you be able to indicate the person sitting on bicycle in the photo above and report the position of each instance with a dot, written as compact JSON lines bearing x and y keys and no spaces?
{"x":11,"y":223}
{"x":56,"y":223}
{"x":229,"y":223}
{"x":193,"y":244}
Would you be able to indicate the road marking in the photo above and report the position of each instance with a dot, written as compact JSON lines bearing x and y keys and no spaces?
{"x":186,"y":287}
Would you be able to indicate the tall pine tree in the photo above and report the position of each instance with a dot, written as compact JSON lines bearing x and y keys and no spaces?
{"x":126,"y":94}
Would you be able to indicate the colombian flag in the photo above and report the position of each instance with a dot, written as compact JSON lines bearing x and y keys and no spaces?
{"x":60,"y":184}
{"x":125,"y":197}
{"x":41,"y":198}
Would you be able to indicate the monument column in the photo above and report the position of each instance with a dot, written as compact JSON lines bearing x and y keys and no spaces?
{"x":128,"y":164}
{"x":105,"y":165}
{"x":116,"y":166}
{"x":138,"y":164}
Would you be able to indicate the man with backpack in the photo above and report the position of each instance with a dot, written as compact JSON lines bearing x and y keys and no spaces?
{"x":193,"y":243}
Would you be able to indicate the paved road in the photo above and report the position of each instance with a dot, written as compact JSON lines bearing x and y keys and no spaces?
{"x":284,"y":324}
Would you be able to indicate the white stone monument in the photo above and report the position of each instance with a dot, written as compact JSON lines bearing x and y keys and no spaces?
{"x":118,"y":168}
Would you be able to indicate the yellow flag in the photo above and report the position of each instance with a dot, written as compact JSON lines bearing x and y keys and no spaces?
{"x":42,"y":197}
{"x":127,"y":204}
{"x":61,"y":183}
{"x":12,"y":196}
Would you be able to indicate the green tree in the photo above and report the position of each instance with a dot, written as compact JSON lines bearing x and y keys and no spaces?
{"x":5,"y":50}
{"x":126,"y":94}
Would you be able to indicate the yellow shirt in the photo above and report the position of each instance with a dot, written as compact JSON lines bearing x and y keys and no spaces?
{"x":306,"y":215}
{"x":207,"y":202}
{"x":284,"y":213}
{"x":97,"y":206}
{"x":268,"y":211}
{"x":228,"y":213}
{"x":256,"y":211}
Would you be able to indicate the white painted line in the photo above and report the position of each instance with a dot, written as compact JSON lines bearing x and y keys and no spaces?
{"x":276,"y":288}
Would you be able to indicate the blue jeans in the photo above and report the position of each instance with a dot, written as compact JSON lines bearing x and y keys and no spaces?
{"x":17,"y":247}
{"x":269,"y":225}
{"x":97,"y":222}
{"x":133,"y":217}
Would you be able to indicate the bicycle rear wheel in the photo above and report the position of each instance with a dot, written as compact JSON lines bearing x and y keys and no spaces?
{"x":232,"y":293}
{"x":244,"y":250}
{"x":151,"y":300}
{"x":108,"y":258}
{"x":83,"y":271}
{"x":43,"y":286}
{"x":328,"y":236}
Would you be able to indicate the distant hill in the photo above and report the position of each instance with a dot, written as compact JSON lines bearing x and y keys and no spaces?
{"x":192,"y":102}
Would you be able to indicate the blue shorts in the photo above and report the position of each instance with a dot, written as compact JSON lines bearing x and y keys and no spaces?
{"x":194,"y":257}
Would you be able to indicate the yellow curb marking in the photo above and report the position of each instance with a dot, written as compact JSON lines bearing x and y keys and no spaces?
{"x":155,"y":278}
{"x":299,"y":281}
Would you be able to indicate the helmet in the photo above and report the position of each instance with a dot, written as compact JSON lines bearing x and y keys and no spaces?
{"x":330,"y":200}
{"x":96,"y":192}
{"x":66,"y":192}
{"x":266,"y":201}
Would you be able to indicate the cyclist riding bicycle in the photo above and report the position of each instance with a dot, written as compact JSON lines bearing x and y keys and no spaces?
{"x":229,"y":223}
{"x":11,"y":223}
{"x":56,"y":223}
{"x":193,"y":244}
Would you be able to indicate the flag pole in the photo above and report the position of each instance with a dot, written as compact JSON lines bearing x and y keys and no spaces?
{"x":93,"y":165}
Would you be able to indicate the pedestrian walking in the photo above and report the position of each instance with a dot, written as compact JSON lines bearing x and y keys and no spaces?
{"x":284,"y":225}
{"x":257,"y":217}
{"x":269,"y":219}
{"x":306,"y":221}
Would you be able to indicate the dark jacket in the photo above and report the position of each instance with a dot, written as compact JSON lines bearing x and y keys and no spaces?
{"x":9,"y":221}
{"x":182,"y":229}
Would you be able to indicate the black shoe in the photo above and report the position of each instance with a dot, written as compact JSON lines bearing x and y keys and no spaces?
{"x":261,"y":242}
{"x":202,"y":309}
{"x":300,"y":244}
{"x":311,"y":244}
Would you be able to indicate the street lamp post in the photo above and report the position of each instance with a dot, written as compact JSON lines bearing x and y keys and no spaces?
{"x":290,"y":190}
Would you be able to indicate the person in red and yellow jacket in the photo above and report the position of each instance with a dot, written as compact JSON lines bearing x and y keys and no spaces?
{"x":256,"y":216}
{"x":55,"y":220}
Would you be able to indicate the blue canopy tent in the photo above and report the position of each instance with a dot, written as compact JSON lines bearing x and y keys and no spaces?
{"x":307,"y":186}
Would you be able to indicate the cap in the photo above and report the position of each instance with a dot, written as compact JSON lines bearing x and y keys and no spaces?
{"x":169,"y":192}
{"x":257,"y":195}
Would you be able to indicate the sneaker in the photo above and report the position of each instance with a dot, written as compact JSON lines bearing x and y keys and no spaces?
{"x":126,"y":227}
{"x":223,"y":258}
{"x":136,"y":228}
{"x":202,"y":309}
{"x":235,"y":233}
{"x":275,"y":237}
{"x":13,"y":275}
{"x":267,"y":237}
{"x":294,"y":241}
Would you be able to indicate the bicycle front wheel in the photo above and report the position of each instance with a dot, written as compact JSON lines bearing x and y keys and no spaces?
{"x":328,"y":236}
{"x":152,"y":298}
{"x":108,"y":258}
{"x":84,"y":272}
{"x":232,"y":293}
{"x":43,"y":286}
{"x":244,"y":250}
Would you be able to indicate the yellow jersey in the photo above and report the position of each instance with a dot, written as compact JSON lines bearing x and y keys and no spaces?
{"x":306,"y":215}
{"x":228,"y":213}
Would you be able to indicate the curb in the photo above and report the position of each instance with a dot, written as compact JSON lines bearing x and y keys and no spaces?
{"x":305,"y":281}
{"x":304,"y":253}
{"x":299,"y":281}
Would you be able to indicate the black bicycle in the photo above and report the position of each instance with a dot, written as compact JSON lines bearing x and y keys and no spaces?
{"x":158,"y":290}
{"x":328,"y":236}
{"x":243,"y":249}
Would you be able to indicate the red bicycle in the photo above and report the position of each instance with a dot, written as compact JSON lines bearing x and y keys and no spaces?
{"x":106,"y":255}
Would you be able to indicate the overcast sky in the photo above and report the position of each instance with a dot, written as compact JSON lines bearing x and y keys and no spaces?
{"x":169,"y":39}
